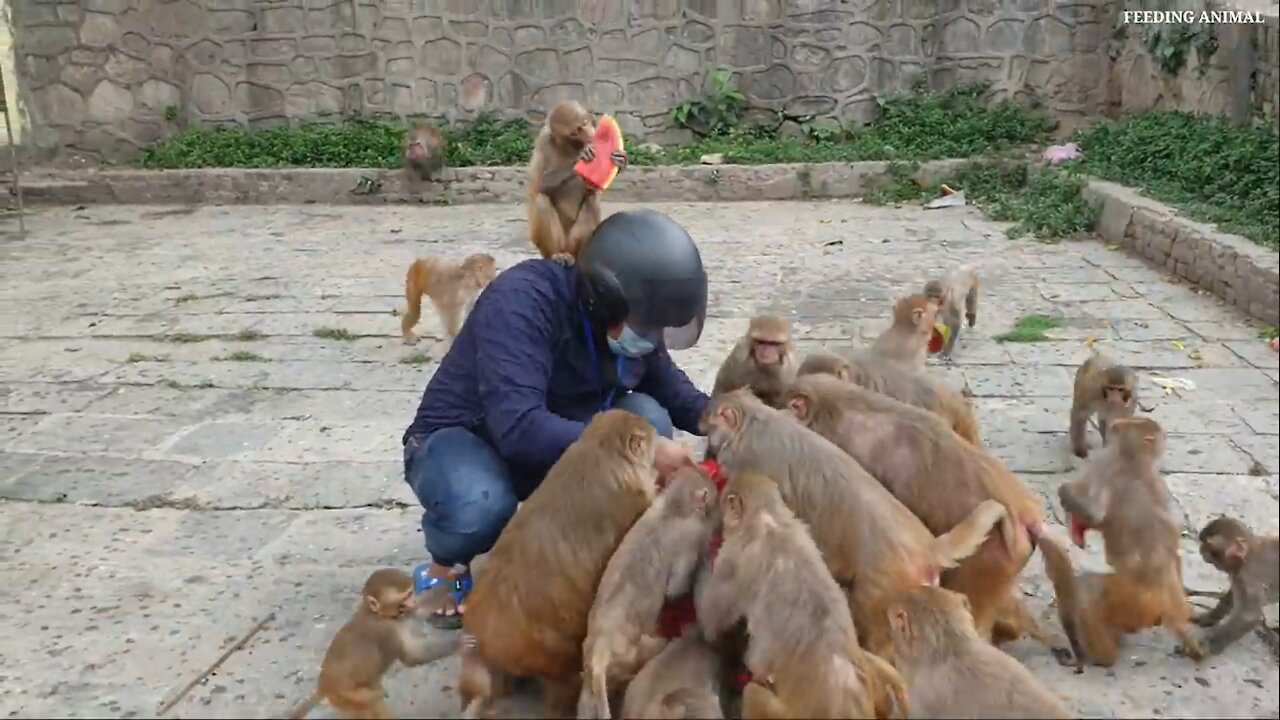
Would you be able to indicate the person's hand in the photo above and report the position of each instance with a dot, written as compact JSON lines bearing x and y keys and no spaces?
{"x":669,"y":456}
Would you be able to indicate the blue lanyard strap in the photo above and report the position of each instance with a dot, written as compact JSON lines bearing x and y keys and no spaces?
{"x":595,"y":366}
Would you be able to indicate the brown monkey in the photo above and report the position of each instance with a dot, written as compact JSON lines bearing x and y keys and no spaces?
{"x":683,"y":681}
{"x":763,"y":360}
{"x":803,"y":648}
{"x":1253,"y":563}
{"x":951,"y":672}
{"x":656,"y":561}
{"x":388,"y":626}
{"x":1104,"y":388}
{"x":527,"y":615}
{"x":873,"y":373}
{"x":959,"y":285}
{"x":937,"y":475}
{"x":870,"y":540}
{"x":452,"y":287}
{"x":423,"y":150}
{"x":1121,"y":494}
{"x":563,"y":210}
{"x":907,"y":339}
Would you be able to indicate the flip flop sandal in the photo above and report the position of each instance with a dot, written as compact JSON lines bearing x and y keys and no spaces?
{"x":461,"y":588}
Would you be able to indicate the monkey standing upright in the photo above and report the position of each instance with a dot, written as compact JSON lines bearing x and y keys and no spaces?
{"x":907,"y":340}
{"x":1105,"y":388}
{"x":763,"y":360}
{"x":388,"y":626}
{"x":452,"y":287}
{"x":563,"y":210}
{"x":1121,"y":494}
{"x":1253,"y":563}
{"x":959,"y":285}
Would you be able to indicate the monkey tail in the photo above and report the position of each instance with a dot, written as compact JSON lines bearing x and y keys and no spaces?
{"x":594,"y":700}
{"x":306,"y":706}
{"x":1066,"y":591}
{"x":965,"y":538}
{"x":416,"y":280}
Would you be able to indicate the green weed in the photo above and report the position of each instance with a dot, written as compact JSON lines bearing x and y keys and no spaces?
{"x":332,"y":333}
{"x":248,"y":335}
{"x":1212,"y":170}
{"x":241,"y":356}
{"x":416,"y":358}
{"x":1029,"y":329}
{"x":185,"y":338}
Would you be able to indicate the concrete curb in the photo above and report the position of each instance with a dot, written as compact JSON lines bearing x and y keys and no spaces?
{"x":1233,"y":268}
{"x":461,"y":186}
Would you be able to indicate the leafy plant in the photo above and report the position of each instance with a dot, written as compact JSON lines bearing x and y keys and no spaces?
{"x":1171,"y":44}
{"x":1213,"y":170}
{"x":717,"y":112}
{"x":1029,"y":329}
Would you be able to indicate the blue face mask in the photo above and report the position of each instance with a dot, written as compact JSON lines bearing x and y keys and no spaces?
{"x":630,"y":343}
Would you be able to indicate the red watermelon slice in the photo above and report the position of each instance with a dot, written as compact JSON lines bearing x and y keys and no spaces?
{"x":938,"y":338}
{"x":601,"y":171}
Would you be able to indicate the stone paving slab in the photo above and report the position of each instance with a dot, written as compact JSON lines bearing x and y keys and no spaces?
{"x":158,"y":499}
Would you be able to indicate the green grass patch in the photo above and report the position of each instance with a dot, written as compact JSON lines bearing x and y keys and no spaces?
{"x":247,"y":335}
{"x":185,"y":338}
{"x":1268,"y":333}
{"x":1208,"y":168}
{"x":1029,"y":329}
{"x":1045,"y":203}
{"x":416,"y":358}
{"x":333,"y":333}
{"x":241,"y":356}
{"x":917,"y":125}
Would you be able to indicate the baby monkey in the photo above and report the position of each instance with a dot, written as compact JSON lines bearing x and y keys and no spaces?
{"x":424,"y":150}
{"x":452,"y":287}
{"x":1105,"y":388}
{"x":1253,"y":563}
{"x":959,"y":285}
{"x":763,"y":360}
{"x":387,"y":626}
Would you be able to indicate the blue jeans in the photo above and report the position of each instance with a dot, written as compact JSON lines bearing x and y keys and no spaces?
{"x":466,"y":489}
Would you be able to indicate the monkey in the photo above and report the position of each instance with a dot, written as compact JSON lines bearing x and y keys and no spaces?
{"x":763,"y":359}
{"x":907,"y":339}
{"x":387,"y":627}
{"x":1121,"y":494}
{"x":947,"y":293}
{"x":423,"y":150}
{"x":873,"y":373}
{"x":563,"y":209}
{"x":951,"y":672}
{"x":1253,"y":564}
{"x":871,"y":541}
{"x":453,"y":288}
{"x":803,"y":651}
{"x":655,"y":561}
{"x":1104,"y":388}
{"x":938,"y":476}
{"x":682,"y":681}
{"x":528,"y":612}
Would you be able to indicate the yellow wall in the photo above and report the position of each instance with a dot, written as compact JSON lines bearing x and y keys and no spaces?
{"x":16,"y":116}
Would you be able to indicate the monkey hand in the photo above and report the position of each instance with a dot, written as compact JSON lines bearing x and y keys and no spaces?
{"x":1194,"y":647}
{"x":619,"y":159}
{"x":588,"y":154}
{"x":565,"y":259}
{"x":669,"y":456}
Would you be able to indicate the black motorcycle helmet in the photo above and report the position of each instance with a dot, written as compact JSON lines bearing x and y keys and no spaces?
{"x":641,"y":267}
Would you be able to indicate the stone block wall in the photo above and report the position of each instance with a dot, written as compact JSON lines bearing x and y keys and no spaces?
{"x":100,"y":78}
{"x":1138,"y":83}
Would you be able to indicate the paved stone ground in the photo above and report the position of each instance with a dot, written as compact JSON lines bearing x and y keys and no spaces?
{"x":159,"y":498}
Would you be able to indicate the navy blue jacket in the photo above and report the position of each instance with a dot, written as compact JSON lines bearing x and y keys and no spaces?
{"x":520,"y":375}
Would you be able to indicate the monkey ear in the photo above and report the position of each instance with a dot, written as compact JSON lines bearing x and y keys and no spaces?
{"x":899,"y":622}
{"x":636,"y":443}
{"x":375,"y":607}
{"x":843,"y":374}
{"x":799,"y":406}
{"x":732,"y":508}
{"x":728,"y":415}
